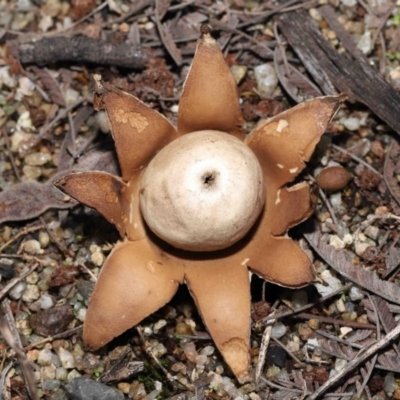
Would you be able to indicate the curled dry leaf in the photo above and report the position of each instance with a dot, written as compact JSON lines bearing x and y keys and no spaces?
{"x":28,"y":200}
{"x":143,"y":272}
{"x":340,"y":261}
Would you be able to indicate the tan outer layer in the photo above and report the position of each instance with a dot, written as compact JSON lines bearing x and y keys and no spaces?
{"x":210,"y":99}
{"x":134,"y":282}
{"x":138,"y":130}
{"x":285,"y":142}
{"x":222,"y":296}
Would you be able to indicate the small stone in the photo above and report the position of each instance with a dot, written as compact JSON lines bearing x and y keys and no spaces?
{"x":61,"y":374}
{"x":124,"y":387}
{"x":333,"y":178}
{"x":32,"y":278}
{"x":207,"y":351}
{"x":32,"y":247}
{"x":51,"y":384}
{"x":336,"y":242}
{"x":344,"y":330}
{"x":293,"y":346}
{"x":97,"y":258}
{"x":278,"y":330}
{"x":314,"y":324}
{"x":239,"y":72}
{"x":360,"y":247}
{"x":266,"y":79}
{"x":72,"y":375}
{"x":340,"y":364}
{"x":299,"y":298}
{"x":44,"y":239}
{"x":389,"y":383}
{"x":372,"y":232}
{"x":16,"y":292}
{"x":31,"y":173}
{"x":87,"y":389}
{"x":341,"y":306}
{"x":352,"y":124}
{"x":52,"y":321}
{"x":159,"y":325}
{"x":277,"y":355}
{"x":174,"y":109}
{"x":31,"y":293}
{"x":66,"y":358}
{"x":272,"y":371}
{"x":183,"y":329}
{"x":349,"y":316}
{"x":37,"y":159}
{"x":158,"y":349}
{"x":349,"y":3}
{"x":102,"y":121}
{"x":355,"y":293}
{"x":49,"y":372}
{"x":365,"y":43}
{"x":190,"y":351}
{"x":138,"y":390}
{"x":81,"y":314}
{"x":45,"y":357}
{"x":46,"y":301}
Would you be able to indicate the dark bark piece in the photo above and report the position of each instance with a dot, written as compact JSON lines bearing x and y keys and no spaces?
{"x":343,"y":72}
{"x":79,"y":49}
{"x":52,"y":321}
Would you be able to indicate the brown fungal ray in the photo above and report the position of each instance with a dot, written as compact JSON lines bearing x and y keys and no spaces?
{"x":210,"y":99}
{"x":222,"y":296}
{"x":284,"y":143}
{"x":290,"y":207}
{"x":100,"y":190}
{"x":138,"y":130}
{"x":135,"y":281}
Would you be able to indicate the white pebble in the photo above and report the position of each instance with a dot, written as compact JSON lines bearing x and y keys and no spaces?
{"x":336,"y":242}
{"x":31,"y":293}
{"x":32,"y":247}
{"x":6,"y":79}
{"x":32,"y":278}
{"x":45,"y":357}
{"x":81,"y":314}
{"x":97,"y":258}
{"x":352,"y":124}
{"x":266,"y":79}
{"x":158,"y":349}
{"x":278,"y":330}
{"x":46,"y":301}
{"x":66,"y":358}
{"x":207,"y":351}
{"x":159,"y":325}
{"x":49,"y":372}
{"x":102,"y":121}
{"x":349,"y":3}
{"x":44,"y":239}
{"x":175,"y":108}
{"x":360,"y":247}
{"x":72,"y":375}
{"x":61,"y":374}
{"x":16,"y":292}
{"x":340,"y":364}
{"x":341,"y":306}
{"x":365,"y":43}
{"x":37,"y":159}
{"x":356,"y":293}
{"x":372,"y":232}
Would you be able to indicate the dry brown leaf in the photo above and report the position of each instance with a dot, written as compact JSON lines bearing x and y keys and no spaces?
{"x":340,"y":261}
{"x":51,"y":85}
{"x":30,"y":199}
{"x":391,"y":161}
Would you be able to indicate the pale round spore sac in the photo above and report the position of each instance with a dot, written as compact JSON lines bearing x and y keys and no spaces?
{"x":203,"y":191}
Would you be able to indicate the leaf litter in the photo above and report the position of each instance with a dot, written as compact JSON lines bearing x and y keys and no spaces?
{"x":167,"y":34}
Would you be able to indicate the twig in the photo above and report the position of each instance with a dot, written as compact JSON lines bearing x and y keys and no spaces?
{"x":14,"y":281}
{"x":64,"y":334}
{"x":307,"y":306}
{"x":332,"y":321}
{"x":22,"y":232}
{"x":279,"y":343}
{"x":358,"y":159}
{"x":357,"y":361}
{"x":263,"y":348}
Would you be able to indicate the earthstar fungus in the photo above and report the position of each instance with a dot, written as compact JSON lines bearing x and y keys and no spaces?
{"x":143,"y":271}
